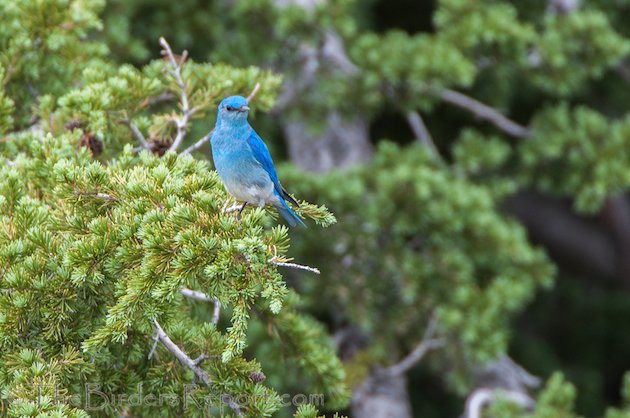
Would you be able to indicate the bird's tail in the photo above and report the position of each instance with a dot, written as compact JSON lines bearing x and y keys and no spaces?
{"x":288,"y":214}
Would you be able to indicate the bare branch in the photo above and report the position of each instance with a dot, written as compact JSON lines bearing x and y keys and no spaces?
{"x":162,"y":98}
{"x":254,"y":92}
{"x":479,"y":398}
{"x":198,"y":144}
{"x":193,"y":294}
{"x":182,"y":121}
{"x":136,"y":132}
{"x":201,"y":359}
{"x":180,"y":355}
{"x":216,"y":312}
{"x":275,"y":262}
{"x":426,"y":344}
{"x":485,"y":112}
{"x":95,"y":194}
{"x":190,"y":363}
{"x":153,"y":347}
{"x":422,"y":133}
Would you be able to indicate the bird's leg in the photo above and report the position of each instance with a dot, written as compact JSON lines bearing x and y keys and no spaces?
{"x":238,"y":215}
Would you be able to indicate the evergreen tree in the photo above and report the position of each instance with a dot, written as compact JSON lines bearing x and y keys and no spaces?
{"x":124,"y":270}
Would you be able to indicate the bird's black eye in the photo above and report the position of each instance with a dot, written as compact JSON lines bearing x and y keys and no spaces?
{"x":229,"y":108}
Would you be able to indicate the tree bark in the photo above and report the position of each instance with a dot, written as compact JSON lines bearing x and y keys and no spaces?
{"x":381,"y":395}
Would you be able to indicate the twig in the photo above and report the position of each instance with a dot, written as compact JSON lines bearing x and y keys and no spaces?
{"x":200,"y":359}
{"x":182,"y":121}
{"x":193,"y":294}
{"x":234,"y":208}
{"x":180,"y":355}
{"x":426,"y":344}
{"x":482,"y":397}
{"x":216,"y":312}
{"x":422,"y":133}
{"x":485,"y":112}
{"x":95,"y":194}
{"x":275,"y":262}
{"x":190,"y":363}
{"x":153,"y":347}
{"x":136,"y":132}
{"x":254,"y":92}
{"x":198,"y":144}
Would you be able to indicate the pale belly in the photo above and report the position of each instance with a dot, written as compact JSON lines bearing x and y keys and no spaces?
{"x":252,"y":193}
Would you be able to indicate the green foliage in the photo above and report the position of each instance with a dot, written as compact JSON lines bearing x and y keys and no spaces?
{"x":412,"y":239}
{"x":103,"y":250}
{"x":574,"y":48}
{"x":46,"y":45}
{"x":96,"y":245}
{"x":578,"y":153}
{"x":404,"y":66}
{"x":556,"y":400}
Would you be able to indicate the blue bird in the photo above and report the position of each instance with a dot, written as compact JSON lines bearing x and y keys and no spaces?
{"x":243,"y":161}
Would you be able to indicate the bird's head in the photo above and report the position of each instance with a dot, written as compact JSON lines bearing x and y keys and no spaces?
{"x":233,"y":108}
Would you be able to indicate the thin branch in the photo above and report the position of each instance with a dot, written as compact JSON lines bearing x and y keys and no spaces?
{"x":201,"y":359}
{"x":153,"y":347}
{"x":275,"y":262}
{"x":216,"y":312}
{"x":234,"y":208}
{"x":162,"y":98}
{"x":479,"y":398}
{"x":136,"y":132}
{"x":198,"y":144}
{"x":193,"y":294}
{"x":426,"y":344}
{"x":190,"y":363}
{"x":180,"y":355}
{"x":254,"y":92}
{"x":422,"y":133}
{"x":485,"y":112}
{"x":95,"y":194}
{"x":182,"y":121}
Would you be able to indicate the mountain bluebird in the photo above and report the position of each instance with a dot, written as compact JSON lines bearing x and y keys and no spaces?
{"x":243,"y":161}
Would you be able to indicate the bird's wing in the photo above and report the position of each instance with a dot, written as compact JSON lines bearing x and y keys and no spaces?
{"x":261,"y":154}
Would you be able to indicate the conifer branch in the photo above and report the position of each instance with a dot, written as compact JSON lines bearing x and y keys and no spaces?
{"x":424,"y":346}
{"x":275,"y":262}
{"x":191,"y":364}
{"x":485,"y":112}
{"x":422,"y":133}
{"x":193,"y":294}
{"x":182,"y":121}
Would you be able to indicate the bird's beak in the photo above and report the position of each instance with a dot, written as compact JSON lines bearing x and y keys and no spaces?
{"x":243,"y":108}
